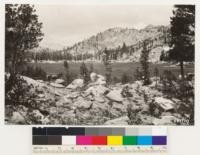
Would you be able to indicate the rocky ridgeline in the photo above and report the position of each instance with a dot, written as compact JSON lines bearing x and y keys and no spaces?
{"x":93,"y":104}
{"x":114,"y":37}
{"x":123,"y":45}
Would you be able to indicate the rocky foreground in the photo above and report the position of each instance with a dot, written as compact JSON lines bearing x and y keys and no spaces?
{"x":97,"y":104}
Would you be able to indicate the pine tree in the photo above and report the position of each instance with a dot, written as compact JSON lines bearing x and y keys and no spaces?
{"x":22,"y":33}
{"x":66,"y":65}
{"x":144,"y":60}
{"x":124,"y":49}
{"x":182,"y":35}
{"x":107,"y":65}
{"x":68,"y":76}
{"x":84,"y":73}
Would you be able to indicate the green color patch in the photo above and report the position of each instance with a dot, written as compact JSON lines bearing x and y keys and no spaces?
{"x":129,"y":140}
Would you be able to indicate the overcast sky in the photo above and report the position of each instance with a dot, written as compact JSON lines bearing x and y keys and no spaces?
{"x":64,"y":25}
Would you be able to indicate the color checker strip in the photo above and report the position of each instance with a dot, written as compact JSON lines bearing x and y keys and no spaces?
{"x":99,"y":140}
{"x":98,"y":136}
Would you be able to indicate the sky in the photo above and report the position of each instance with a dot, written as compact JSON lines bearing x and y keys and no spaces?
{"x":64,"y":25}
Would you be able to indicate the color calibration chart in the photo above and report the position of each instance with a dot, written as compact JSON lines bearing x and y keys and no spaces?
{"x":61,"y":140}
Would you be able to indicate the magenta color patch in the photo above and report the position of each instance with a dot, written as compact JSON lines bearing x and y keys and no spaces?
{"x":83,"y":140}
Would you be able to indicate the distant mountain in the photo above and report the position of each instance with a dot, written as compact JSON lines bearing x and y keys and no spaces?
{"x":123,"y":44}
{"x":114,"y":38}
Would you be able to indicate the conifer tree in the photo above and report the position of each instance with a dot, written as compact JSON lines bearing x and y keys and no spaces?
{"x":107,"y":64}
{"x":84,"y":73}
{"x":182,"y":35}
{"x":144,"y":61}
{"x":22,"y":33}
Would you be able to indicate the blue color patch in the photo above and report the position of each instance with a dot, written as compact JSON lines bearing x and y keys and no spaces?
{"x":144,"y":140}
{"x":159,"y":140}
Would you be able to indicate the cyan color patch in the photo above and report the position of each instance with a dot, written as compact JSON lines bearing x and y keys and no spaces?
{"x":144,"y":140}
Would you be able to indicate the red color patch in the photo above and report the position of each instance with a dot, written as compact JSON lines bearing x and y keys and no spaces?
{"x":99,"y":140}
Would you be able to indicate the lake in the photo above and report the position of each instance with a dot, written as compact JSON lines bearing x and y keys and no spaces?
{"x":118,"y":69}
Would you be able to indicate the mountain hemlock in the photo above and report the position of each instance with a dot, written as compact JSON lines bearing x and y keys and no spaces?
{"x":182,"y":35}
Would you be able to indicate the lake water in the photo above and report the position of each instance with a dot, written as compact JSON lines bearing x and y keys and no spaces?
{"x":118,"y":69}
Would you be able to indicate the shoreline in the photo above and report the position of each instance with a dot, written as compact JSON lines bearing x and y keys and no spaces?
{"x":112,"y":62}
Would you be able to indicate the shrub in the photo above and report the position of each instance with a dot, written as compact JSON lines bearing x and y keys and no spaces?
{"x":125,"y":78}
{"x":69,"y":77}
{"x":185,"y":90}
{"x":168,"y":76}
{"x":108,"y":78}
{"x":126,"y":92}
{"x":18,"y":92}
{"x":59,"y":75}
{"x":133,"y":115}
{"x":138,"y":74}
{"x":145,"y":97}
{"x":168,"y":80}
{"x":91,"y":68}
{"x":154,"y":111}
{"x":35,"y":73}
{"x":156,"y":74}
{"x":179,"y":88}
{"x":164,"y":56}
{"x":115,"y":79}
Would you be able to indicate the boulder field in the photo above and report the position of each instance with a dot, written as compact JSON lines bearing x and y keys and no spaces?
{"x":95,"y":104}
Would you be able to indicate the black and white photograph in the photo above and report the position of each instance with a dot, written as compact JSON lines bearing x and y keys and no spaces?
{"x":120,"y":65}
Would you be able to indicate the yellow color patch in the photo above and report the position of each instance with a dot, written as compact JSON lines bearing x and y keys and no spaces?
{"x":114,"y":140}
